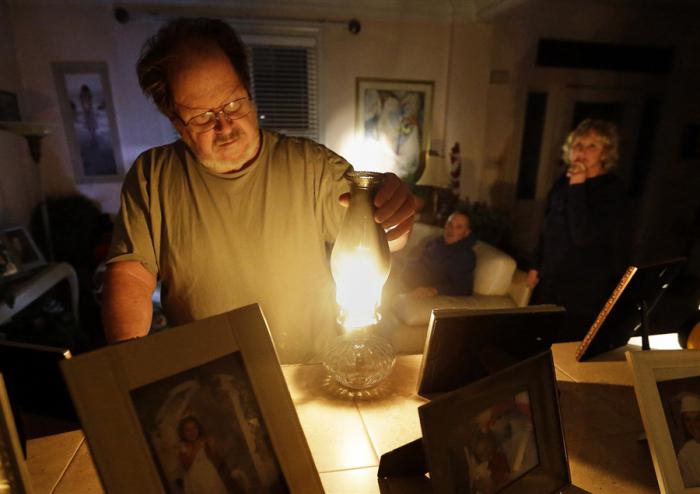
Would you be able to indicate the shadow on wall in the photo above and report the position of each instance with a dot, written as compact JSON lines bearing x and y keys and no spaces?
{"x":80,"y":235}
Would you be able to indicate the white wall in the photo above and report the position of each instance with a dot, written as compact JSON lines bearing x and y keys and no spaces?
{"x":387,"y":50}
{"x":73,"y":33}
{"x":392,"y":47}
{"x":515,"y":39}
{"x":17,"y":173}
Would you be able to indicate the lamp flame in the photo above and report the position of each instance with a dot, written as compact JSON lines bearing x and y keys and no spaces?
{"x":359,"y":278}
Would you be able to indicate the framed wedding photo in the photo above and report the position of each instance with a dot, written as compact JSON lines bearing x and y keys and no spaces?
{"x":85,"y":100}
{"x":501,"y":434}
{"x":203,"y":405}
{"x":667,"y":385}
{"x":14,"y":476}
{"x":393,"y":122}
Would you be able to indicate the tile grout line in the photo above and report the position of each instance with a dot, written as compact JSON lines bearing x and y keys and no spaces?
{"x":369,"y":437}
{"x":573,"y":379}
{"x":68,"y":464}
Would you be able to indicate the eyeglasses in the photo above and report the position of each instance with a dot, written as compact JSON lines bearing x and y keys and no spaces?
{"x":233,"y":110}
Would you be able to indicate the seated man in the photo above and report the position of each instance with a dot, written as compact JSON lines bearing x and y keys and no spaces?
{"x":446,"y":265}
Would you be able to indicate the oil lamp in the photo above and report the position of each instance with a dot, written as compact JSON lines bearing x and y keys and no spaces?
{"x":360,"y":264}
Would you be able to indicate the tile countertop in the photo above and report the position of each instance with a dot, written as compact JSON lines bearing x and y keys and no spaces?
{"x":347,"y":434}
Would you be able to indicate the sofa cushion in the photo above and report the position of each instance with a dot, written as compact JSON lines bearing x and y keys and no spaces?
{"x":417,"y":311}
{"x":494,"y":270}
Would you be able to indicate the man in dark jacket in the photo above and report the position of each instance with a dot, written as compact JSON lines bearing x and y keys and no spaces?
{"x":446,"y":265}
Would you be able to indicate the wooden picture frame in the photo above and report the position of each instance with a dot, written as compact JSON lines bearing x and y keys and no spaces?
{"x":14,"y":476}
{"x":18,"y":253}
{"x":468,"y":451}
{"x":150,"y":406}
{"x":393,"y":124}
{"x":662,"y":380}
{"x":85,"y":100}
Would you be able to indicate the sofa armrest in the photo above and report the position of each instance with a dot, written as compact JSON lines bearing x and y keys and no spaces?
{"x":518,"y":290}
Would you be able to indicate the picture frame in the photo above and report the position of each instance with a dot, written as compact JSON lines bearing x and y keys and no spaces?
{"x":663,"y":379}
{"x":626,"y":311}
{"x":210,"y":393}
{"x":85,"y":100}
{"x":393,"y":125}
{"x":465,"y":345}
{"x":18,"y":253}
{"x":34,"y":382}
{"x":501,"y":434}
{"x":14,"y":475}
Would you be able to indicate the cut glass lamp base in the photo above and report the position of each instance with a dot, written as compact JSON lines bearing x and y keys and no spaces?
{"x":359,"y":359}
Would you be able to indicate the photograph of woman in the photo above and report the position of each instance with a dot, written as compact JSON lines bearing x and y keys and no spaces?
{"x":200,"y":475}
{"x":206,"y":432}
{"x":681,"y":404}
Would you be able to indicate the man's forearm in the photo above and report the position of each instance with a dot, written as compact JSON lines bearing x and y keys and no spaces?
{"x":127,"y":308}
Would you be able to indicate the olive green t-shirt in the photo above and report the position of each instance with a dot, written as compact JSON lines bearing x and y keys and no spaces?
{"x":222,"y":241}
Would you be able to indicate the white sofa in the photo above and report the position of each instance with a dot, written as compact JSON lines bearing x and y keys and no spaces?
{"x":497,"y":285}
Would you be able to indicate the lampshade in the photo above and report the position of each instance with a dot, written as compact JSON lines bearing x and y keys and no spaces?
{"x":26,"y":129}
{"x":435,"y":173}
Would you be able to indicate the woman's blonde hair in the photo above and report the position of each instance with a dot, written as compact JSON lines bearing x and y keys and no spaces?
{"x":605,"y":130}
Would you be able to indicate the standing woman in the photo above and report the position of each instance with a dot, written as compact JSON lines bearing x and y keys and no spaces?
{"x":574,"y":264}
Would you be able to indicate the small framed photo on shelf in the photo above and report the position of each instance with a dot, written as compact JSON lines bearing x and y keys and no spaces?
{"x":667,"y":385}
{"x":85,"y":100}
{"x":202,"y":404}
{"x":14,"y":476}
{"x":501,"y":434}
{"x":18,"y":253}
{"x":393,"y":123}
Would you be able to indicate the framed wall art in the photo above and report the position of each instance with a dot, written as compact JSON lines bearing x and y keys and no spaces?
{"x":393,"y":123}
{"x":203,"y":405}
{"x":85,"y":100}
{"x":14,"y":476}
{"x":501,"y":434}
{"x":667,"y":385}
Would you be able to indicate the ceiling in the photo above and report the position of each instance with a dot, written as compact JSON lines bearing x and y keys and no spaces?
{"x":476,"y":10}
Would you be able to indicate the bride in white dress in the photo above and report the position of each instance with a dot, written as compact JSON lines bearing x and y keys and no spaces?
{"x":201,"y":475}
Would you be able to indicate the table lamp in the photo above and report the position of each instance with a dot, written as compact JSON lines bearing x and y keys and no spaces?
{"x":435,"y":175}
{"x":33,"y":133}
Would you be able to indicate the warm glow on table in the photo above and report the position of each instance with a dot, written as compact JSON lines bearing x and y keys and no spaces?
{"x":347,"y":432}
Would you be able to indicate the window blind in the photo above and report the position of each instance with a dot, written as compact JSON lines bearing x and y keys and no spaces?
{"x":284,"y":86}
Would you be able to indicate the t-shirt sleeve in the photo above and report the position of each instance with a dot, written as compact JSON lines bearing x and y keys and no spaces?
{"x":331,"y":184}
{"x":132,"y":239}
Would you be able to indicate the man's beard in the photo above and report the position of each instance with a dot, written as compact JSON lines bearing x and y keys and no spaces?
{"x":231,"y":165}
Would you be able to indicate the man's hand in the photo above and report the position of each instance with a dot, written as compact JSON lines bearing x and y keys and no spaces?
{"x":533,"y":277}
{"x":396,"y":209}
{"x":423,"y":292}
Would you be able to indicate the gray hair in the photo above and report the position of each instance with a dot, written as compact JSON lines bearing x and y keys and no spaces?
{"x":605,"y":130}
